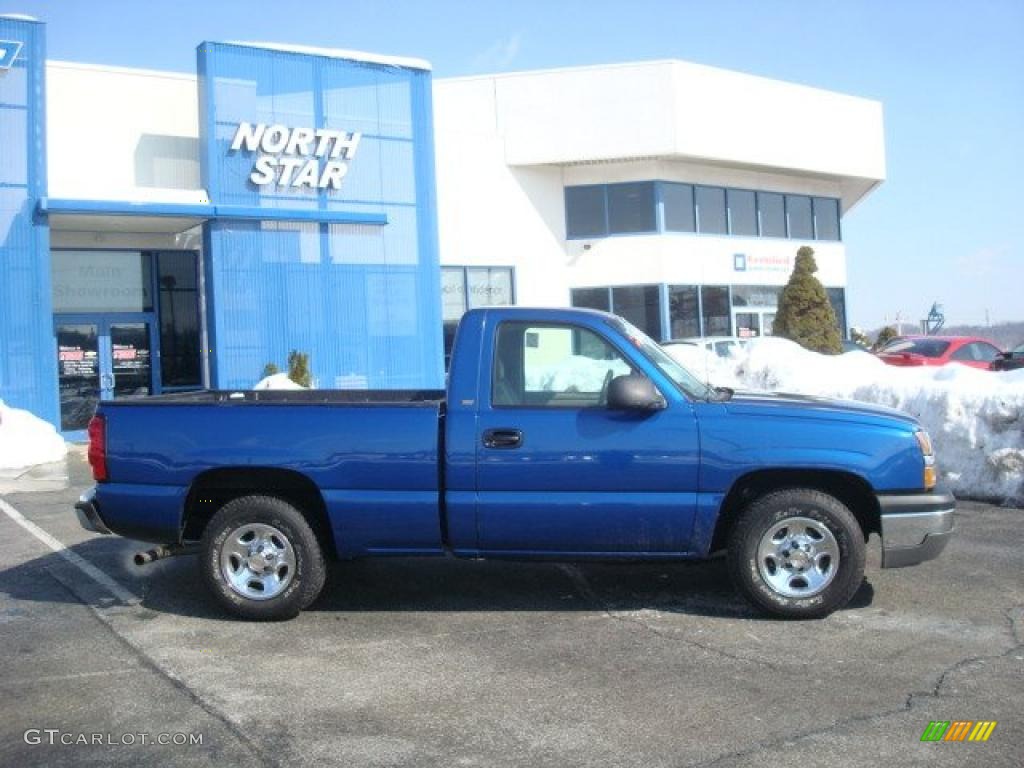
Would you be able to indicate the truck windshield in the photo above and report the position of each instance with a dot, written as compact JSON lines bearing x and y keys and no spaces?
{"x":686,"y":381}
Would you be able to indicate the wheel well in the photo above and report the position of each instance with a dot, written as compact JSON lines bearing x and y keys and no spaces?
{"x":854,"y":491}
{"x":213,"y":489}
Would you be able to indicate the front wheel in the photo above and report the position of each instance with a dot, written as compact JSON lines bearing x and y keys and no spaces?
{"x":797,"y":553}
{"x":261,"y":560}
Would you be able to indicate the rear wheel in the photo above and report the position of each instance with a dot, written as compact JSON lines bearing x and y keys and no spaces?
{"x":261,"y":560}
{"x":797,"y":553}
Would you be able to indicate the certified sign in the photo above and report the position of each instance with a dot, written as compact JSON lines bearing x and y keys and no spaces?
{"x":9,"y":50}
{"x":296,"y":157}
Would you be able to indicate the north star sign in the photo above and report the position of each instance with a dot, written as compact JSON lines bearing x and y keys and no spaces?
{"x":296,"y":157}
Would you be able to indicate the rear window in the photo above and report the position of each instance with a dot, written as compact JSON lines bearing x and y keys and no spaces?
{"x":923,"y":347}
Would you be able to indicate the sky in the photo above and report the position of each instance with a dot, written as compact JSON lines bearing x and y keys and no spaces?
{"x":945,"y":226}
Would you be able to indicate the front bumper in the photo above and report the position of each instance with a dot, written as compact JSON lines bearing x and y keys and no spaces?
{"x":915,"y":527}
{"x":89,"y":513}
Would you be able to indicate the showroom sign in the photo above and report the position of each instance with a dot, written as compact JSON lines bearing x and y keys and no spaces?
{"x":742,"y":262}
{"x":296,"y":157}
{"x":9,"y":50}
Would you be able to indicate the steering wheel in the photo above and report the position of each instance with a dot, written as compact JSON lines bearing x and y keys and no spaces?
{"x":602,"y":399}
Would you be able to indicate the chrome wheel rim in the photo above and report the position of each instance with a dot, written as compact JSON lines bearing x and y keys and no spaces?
{"x":257,"y":561}
{"x":798,"y":557}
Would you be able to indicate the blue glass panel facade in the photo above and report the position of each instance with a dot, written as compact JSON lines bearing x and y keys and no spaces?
{"x":362,"y":299}
{"x":28,"y":367}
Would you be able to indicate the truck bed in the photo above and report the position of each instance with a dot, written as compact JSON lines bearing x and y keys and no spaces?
{"x":372,"y":455}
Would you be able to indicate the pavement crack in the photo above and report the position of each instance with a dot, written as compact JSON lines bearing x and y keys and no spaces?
{"x":934,"y":692}
{"x":148,"y":663}
{"x":588,"y":593}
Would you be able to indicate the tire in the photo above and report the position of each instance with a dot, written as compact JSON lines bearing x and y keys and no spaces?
{"x":818,"y":576}
{"x":261,"y":559}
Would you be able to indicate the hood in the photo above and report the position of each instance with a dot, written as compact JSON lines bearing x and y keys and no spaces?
{"x":811,"y":406}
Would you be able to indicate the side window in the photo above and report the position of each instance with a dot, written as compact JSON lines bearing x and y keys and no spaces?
{"x":966,"y":352}
{"x":552,"y":366}
{"x":987,"y":353}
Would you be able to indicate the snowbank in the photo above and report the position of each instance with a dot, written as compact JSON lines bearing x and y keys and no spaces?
{"x":277,"y":381}
{"x":26,"y":440}
{"x":975,"y":418}
{"x":576,"y":373}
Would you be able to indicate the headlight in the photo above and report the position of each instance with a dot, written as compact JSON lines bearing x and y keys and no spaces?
{"x":925,"y":443}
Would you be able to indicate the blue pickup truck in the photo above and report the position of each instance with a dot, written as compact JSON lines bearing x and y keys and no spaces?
{"x":564,"y":434}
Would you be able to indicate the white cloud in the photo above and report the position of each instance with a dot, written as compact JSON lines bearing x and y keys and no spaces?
{"x":499,"y":55}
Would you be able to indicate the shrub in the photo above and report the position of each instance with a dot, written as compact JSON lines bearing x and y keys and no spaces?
{"x":805,"y":314}
{"x":298,"y":369}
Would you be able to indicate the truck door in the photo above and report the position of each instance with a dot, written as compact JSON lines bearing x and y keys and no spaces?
{"x":557,"y":471}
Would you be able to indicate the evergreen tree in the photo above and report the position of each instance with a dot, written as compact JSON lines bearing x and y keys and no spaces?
{"x":805,"y":314}
{"x":298,"y":369}
{"x":887,"y":334}
{"x":858,"y":337}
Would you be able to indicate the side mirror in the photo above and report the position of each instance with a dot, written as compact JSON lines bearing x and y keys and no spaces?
{"x":634,"y":393}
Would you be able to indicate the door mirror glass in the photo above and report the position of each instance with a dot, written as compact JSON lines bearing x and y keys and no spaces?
{"x":634,"y":392}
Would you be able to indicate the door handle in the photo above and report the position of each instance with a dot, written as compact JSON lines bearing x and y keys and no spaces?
{"x":503,"y":438}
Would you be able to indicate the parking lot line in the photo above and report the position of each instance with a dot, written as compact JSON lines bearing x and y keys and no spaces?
{"x":90,"y":570}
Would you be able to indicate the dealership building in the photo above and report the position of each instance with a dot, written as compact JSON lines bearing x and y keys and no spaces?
{"x":161,"y":231}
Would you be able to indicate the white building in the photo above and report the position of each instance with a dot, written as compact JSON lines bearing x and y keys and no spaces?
{"x":142,"y":249}
{"x":674,"y":194}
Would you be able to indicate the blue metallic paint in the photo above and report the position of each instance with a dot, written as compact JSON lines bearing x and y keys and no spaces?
{"x":371,"y":463}
{"x":28,"y":360}
{"x":586,"y":482}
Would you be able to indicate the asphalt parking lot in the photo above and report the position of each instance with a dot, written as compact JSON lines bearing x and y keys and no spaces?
{"x":442,"y":663}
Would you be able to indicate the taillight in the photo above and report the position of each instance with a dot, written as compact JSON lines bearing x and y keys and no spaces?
{"x":98,"y":448}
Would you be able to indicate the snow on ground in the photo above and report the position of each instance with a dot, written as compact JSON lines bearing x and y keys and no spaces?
{"x":26,"y":440}
{"x":975,"y":418}
{"x":277,"y":381}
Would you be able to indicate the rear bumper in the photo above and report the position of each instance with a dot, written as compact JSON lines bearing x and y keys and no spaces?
{"x":89,"y":513}
{"x":915,"y":527}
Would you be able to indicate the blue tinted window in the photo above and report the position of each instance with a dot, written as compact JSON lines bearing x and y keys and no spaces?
{"x":711,"y":210}
{"x":826,"y":218}
{"x":592,"y":298}
{"x":771,"y":212}
{"x":631,"y":208}
{"x":678,"y":202}
{"x":585,"y":214}
{"x":742,"y":212}
{"x":798,"y":214}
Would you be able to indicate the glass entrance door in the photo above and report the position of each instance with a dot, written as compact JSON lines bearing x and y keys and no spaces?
{"x":78,"y":373}
{"x":747,"y":324}
{"x":100,"y":358}
{"x":131,"y":361}
{"x":750,"y":323}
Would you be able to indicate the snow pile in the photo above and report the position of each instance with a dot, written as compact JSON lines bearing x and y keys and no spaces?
{"x":277,"y":381}
{"x":975,"y":417}
{"x":26,"y":440}
{"x":576,"y":373}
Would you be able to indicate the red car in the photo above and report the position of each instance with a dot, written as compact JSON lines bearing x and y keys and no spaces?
{"x":939,"y":350}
